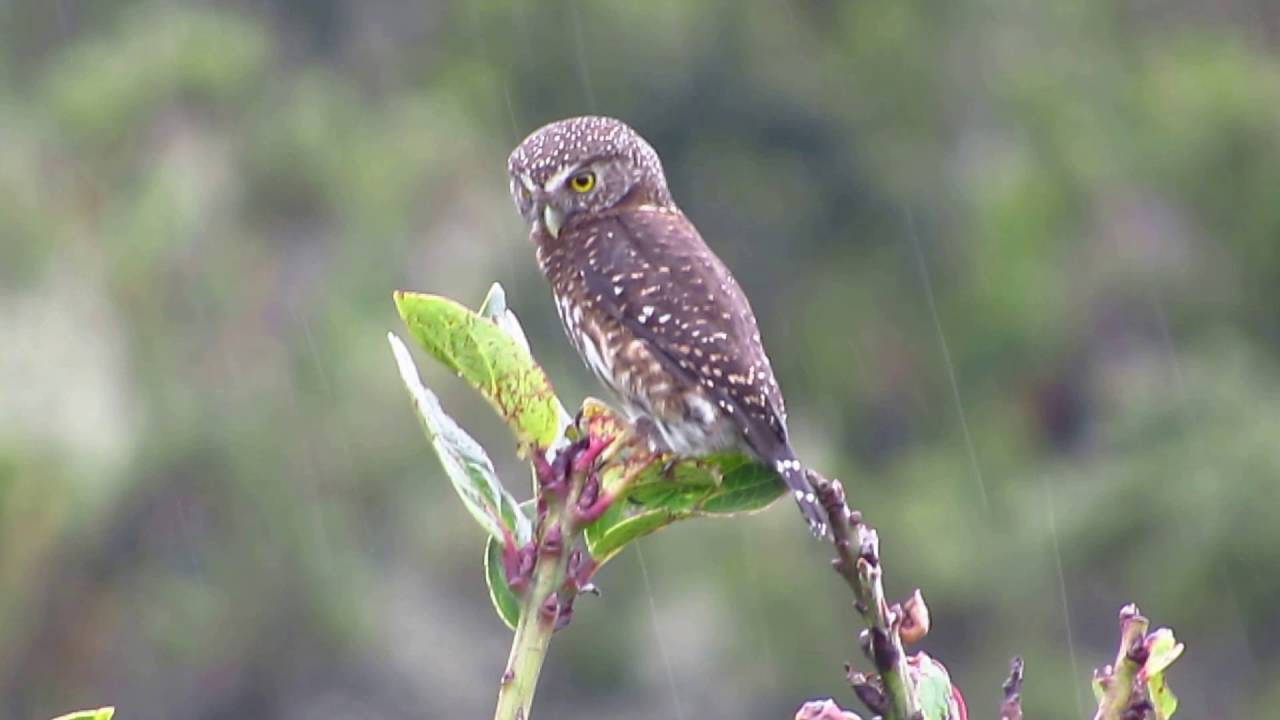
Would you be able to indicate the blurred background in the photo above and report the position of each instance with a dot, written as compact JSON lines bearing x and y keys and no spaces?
{"x":1017,"y":265}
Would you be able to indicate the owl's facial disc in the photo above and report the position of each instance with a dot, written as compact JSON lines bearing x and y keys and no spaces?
{"x":524,"y":193}
{"x":556,"y":181}
{"x":557,"y":200}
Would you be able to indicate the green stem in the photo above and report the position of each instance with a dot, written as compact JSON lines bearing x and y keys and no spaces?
{"x":533,"y":637}
{"x":534,"y":629}
{"x":1118,"y":683}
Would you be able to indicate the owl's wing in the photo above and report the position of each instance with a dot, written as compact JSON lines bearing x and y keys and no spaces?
{"x":651,"y":270}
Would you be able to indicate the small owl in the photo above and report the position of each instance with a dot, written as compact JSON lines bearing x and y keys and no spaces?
{"x":655,"y":315}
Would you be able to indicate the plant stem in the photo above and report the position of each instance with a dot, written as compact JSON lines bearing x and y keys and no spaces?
{"x":1117,"y":680}
{"x":540,"y":612}
{"x":532,"y":638}
{"x":1011,"y":709}
{"x":858,"y":562}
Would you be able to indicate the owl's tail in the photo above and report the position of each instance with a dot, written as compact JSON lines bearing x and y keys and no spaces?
{"x":797,"y":480}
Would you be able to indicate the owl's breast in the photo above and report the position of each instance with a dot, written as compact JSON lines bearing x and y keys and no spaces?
{"x":684,"y":419}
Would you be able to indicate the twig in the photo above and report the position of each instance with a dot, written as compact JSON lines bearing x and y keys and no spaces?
{"x":1011,"y":708}
{"x":858,"y":562}
{"x":1117,"y":680}
{"x":549,"y":598}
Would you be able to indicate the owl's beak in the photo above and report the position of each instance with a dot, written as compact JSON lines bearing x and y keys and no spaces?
{"x":552,"y":219}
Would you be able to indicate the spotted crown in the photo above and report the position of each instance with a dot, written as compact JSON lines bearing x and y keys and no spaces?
{"x":569,"y":143}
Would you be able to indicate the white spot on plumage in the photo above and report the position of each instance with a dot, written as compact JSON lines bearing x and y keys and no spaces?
{"x":704,"y":410}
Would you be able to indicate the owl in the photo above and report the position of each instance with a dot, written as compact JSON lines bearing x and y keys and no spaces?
{"x":652,"y":311}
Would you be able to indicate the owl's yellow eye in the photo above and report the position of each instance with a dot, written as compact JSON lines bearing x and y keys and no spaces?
{"x":583,"y":182}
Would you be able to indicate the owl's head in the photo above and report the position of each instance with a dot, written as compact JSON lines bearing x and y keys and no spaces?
{"x":583,"y":166}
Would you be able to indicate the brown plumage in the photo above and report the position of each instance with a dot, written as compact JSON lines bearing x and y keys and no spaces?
{"x":650,"y":308}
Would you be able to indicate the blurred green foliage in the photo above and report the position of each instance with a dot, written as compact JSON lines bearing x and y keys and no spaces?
{"x":215,"y":503}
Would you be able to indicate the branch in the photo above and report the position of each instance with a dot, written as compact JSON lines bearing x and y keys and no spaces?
{"x":1134,"y":687}
{"x":548,"y":601}
{"x":1117,"y":680}
{"x":1011,"y":708}
{"x":892,"y":694}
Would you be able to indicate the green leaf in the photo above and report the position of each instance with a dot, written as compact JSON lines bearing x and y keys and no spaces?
{"x":656,"y":501}
{"x":1162,"y":650}
{"x":103,"y":713}
{"x":495,"y":309}
{"x":934,"y":689}
{"x":465,"y":461}
{"x":720,"y":484}
{"x":1099,"y":692}
{"x":747,"y":486}
{"x":504,"y":599}
{"x":612,"y":531}
{"x":490,"y":360}
{"x":1163,"y":700}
